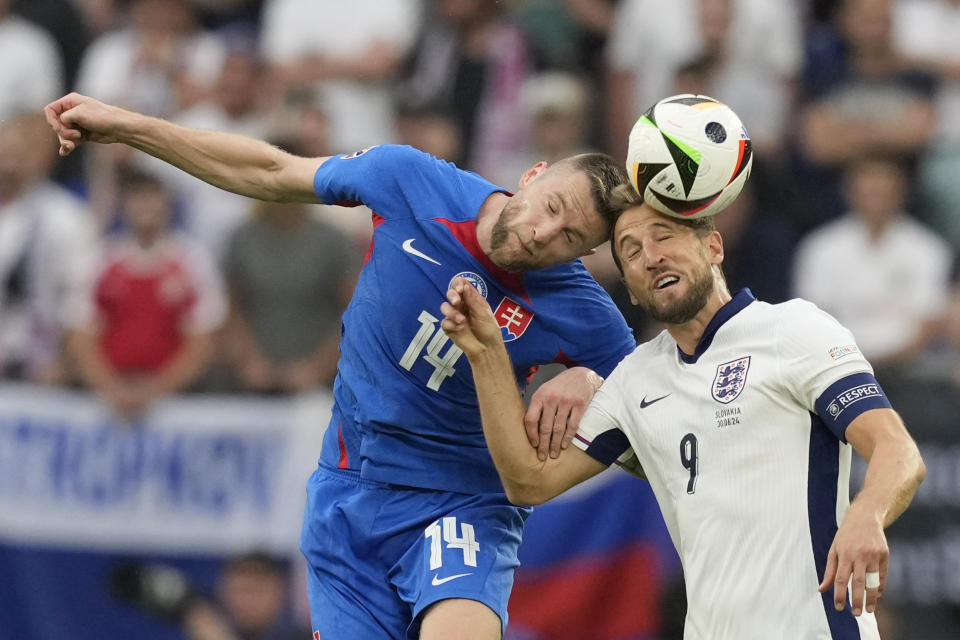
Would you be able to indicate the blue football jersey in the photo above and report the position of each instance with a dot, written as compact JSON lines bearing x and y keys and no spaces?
{"x":406,"y":407}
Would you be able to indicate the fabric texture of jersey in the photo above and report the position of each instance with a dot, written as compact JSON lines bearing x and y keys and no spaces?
{"x":406,"y":390}
{"x":742,"y":443}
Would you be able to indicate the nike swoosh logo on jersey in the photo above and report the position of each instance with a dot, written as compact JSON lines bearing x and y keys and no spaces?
{"x":644,"y":404}
{"x":408,"y":247}
{"x":437,"y":580}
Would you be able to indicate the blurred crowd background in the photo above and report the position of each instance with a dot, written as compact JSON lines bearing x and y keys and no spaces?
{"x":127,"y":278}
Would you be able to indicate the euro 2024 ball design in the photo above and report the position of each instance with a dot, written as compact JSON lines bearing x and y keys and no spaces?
{"x":689,"y":156}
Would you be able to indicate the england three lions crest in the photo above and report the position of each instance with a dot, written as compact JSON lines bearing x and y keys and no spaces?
{"x":512,"y":318}
{"x":730,"y":380}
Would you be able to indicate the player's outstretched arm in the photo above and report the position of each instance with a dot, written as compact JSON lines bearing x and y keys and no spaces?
{"x":469,"y":322}
{"x":232,"y":162}
{"x":894,"y":471}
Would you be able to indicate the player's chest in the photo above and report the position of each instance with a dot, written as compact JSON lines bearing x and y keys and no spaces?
{"x":729,"y":402}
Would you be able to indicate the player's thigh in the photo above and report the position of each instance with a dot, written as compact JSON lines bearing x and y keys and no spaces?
{"x":460,"y":619}
{"x":346,"y":577}
{"x":466,"y":553}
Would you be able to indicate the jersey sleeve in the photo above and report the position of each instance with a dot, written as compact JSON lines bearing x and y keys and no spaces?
{"x":823,"y":368}
{"x":593,"y":332}
{"x":398,"y":181}
{"x":601,"y":435}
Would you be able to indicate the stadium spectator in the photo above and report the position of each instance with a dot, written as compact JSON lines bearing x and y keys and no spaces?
{"x":144,"y":326}
{"x":31,"y":73}
{"x":470,"y":63}
{"x":235,"y":105}
{"x":758,"y":248}
{"x":159,"y":61}
{"x":855,"y":86}
{"x":570,"y":36}
{"x":351,"y":51}
{"x":250,"y":600}
{"x":156,"y":61}
{"x":290,"y":276}
{"x":876,"y":269}
{"x":63,"y":20}
{"x":925,"y":32}
{"x":251,"y":603}
{"x":555,"y":106}
{"x":47,"y":244}
{"x":754,"y":47}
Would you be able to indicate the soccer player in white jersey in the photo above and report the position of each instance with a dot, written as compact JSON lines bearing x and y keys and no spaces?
{"x":742,"y":416}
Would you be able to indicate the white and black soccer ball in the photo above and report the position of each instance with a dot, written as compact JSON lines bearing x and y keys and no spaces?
{"x":689,"y":156}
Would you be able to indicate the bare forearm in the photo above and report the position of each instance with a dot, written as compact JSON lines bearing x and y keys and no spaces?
{"x":893,"y":474}
{"x":502,"y":412}
{"x":232,"y":162}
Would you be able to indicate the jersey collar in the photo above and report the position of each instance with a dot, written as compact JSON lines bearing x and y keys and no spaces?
{"x":737,"y":304}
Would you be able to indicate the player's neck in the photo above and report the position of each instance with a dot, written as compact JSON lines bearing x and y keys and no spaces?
{"x":487,"y":217}
{"x":688,"y":334}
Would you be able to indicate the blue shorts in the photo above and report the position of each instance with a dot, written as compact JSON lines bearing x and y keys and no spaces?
{"x":378,"y":555}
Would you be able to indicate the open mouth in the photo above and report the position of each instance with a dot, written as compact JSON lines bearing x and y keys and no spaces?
{"x":665,"y":281}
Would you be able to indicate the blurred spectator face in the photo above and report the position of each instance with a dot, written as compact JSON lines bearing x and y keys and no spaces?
{"x":25,"y":153}
{"x":238,"y":83}
{"x":557,"y":104}
{"x":557,"y":131}
{"x":875,"y":190}
{"x":253,"y":595}
{"x":714,"y":22}
{"x":866,"y":24}
{"x":431,"y":132}
{"x":463,"y":13}
{"x":161,"y":16}
{"x":147,"y":209}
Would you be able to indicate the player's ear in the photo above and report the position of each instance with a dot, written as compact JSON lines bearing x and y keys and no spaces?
{"x":714,"y":246}
{"x":531,"y":173}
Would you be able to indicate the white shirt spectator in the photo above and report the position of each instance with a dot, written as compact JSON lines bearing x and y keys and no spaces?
{"x":49,"y":236}
{"x":927,"y":30}
{"x":360,"y":110}
{"x":764,"y":47}
{"x":30,"y":72}
{"x":113,"y":70}
{"x":883,"y":290}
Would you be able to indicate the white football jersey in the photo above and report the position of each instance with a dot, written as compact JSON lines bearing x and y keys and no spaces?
{"x":743,"y":446}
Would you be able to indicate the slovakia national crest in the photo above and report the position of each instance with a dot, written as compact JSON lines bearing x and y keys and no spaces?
{"x":730,"y":379}
{"x":512,"y":318}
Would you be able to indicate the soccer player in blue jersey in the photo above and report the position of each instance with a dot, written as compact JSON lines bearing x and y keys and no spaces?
{"x":408,"y":531}
{"x":742,"y":415}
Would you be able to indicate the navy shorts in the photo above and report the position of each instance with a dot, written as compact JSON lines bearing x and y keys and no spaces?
{"x":378,"y":554}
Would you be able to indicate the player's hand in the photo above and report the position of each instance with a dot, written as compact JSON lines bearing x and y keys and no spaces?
{"x":860,"y":547}
{"x":468,"y":319}
{"x":75,"y":118}
{"x":554,"y":414}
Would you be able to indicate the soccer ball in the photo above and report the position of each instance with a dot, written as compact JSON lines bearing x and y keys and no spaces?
{"x":689,"y":156}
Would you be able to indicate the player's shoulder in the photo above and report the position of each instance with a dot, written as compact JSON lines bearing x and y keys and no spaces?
{"x":659,"y":348}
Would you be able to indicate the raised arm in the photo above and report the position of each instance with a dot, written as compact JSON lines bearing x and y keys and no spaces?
{"x":894,"y":471}
{"x":249,"y":167}
{"x":469,"y":322}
